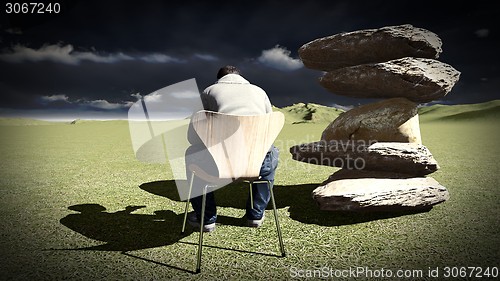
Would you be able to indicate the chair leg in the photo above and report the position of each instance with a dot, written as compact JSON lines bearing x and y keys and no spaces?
{"x":251,"y":194}
{"x":278,"y":228}
{"x":187,"y":203}
{"x":202,"y":222}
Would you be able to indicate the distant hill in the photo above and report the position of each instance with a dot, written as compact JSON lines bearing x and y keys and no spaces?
{"x":460,"y":112}
{"x":5,"y":121}
{"x":309,"y":113}
{"x":315,"y":113}
{"x":23,"y":122}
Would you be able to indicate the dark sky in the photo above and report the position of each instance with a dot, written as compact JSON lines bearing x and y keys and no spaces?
{"x":87,"y":61}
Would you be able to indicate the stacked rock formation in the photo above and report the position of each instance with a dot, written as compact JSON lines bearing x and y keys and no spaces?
{"x":378,"y":145}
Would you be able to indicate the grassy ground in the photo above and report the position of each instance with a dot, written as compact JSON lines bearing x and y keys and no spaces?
{"x":76,"y":205}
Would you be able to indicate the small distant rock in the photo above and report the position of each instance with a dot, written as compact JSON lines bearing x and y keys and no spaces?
{"x":392,"y":120}
{"x":363,"y":192}
{"x":370,"y":46}
{"x":419,"y":80}
{"x":408,"y":158}
{"x":75,"y":121}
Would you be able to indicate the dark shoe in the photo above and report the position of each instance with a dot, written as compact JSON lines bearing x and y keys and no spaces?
{"x":195,"y":223}
{"x":256,"y":223}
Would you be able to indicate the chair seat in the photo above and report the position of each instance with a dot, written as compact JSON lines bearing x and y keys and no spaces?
{"x":199,"y":172}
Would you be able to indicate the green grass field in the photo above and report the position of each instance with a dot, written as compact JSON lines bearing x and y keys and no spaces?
{"x":77,"y":205}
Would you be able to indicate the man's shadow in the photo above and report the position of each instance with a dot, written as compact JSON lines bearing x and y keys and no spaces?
{"x":123,"y":231}
{"x":297,"y":198}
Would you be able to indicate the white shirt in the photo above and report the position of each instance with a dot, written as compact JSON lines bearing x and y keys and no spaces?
{"x":233,"y":94}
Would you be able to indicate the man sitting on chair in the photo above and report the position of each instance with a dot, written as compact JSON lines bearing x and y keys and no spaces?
{"x":233,"y":94}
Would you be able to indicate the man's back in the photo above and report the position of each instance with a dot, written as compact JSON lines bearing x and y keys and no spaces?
{"x":233,"y":94}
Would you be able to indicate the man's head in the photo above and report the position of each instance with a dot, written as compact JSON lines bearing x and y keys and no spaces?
{"x":228,"y":69}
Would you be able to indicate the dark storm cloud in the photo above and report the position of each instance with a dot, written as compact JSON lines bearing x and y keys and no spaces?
{"x":91,"y":80}
{"x":119,"y":48}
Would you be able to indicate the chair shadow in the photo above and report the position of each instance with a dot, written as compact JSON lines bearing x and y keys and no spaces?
{"x":297,"y":198}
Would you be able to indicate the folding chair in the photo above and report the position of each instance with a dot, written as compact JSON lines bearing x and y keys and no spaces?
{"x":238,"y":145}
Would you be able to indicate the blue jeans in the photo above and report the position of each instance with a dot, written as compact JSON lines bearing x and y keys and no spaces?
{"x":260,"y":192}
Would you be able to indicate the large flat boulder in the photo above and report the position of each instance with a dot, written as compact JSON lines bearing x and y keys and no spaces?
{"x":370,"y":46}
{"x":392,"y":120}
{"x":376,"y":191}
{"x":408,"y":158}
{"x":417,"y":79}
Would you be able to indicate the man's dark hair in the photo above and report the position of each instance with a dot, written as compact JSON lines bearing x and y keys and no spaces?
{"x":228,"y":69}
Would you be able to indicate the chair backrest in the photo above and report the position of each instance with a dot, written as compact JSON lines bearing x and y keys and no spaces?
{"x":237,"y":143}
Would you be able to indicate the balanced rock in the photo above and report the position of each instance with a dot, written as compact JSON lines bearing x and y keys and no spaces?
{"x":370,"y":46}
{"x":417,"y":79}
{"x":408,"y":158}
{"x":392,"y":120}
{"x":376,"y":191}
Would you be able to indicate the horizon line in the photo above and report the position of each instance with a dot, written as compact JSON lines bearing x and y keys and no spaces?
{"x":48,"y":118}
